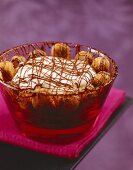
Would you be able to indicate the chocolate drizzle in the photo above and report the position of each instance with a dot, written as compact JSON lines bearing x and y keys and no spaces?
{"x":55,"y":75}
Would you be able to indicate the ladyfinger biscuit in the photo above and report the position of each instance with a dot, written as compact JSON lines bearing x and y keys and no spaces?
{"x":37,"y":53}
{"x":101,"y":78}
{"x":17,"y":59}
{"x":1,"y":76}
{"x":101,"y":64}
{"x":7,"y":69}
{"x":86,"y":56}
{"x":61,"y":50}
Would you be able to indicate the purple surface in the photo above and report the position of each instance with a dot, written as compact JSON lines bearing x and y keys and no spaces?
{"x":107,"y":25}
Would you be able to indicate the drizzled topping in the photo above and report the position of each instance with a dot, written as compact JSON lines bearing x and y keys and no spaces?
{"x":55,"y":75}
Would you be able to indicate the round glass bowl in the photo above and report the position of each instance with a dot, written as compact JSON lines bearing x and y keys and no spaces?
{"x":70,"y":117}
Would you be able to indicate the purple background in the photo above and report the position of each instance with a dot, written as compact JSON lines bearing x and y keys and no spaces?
{"x":104,"y":24}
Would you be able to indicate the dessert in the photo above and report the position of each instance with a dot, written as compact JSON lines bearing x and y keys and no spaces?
{"x":56,"y":75}
{"x":53,"y":76}
{"x":53,"y":95}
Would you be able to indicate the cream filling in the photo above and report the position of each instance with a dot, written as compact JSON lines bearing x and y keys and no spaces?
{"x":56,"y":75}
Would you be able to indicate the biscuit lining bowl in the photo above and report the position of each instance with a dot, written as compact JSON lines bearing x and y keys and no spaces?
{"x":58,"y":119}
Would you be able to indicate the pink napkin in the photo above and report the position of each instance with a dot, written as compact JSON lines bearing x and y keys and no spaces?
{"x":10,"y":134}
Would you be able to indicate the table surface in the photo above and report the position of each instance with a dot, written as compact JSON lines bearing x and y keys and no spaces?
{"x":16,"y":158}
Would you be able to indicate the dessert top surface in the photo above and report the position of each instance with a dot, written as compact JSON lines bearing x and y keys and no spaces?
{"x":56,"y":75}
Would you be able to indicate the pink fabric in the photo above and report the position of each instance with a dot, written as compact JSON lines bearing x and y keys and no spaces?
{"x":10,"y":134}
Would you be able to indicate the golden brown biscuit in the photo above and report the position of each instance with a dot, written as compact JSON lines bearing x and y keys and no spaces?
{"x":101,"y":64}
{"x":101,"y":78}
{"x":37,"y":101}
{"x":37,"y":53}
{"x":7,"y":69}
{"x":72,"y":101}
{"x":40,"y":100}
{"x":24,"y":99}
{"x":91,"y":87}
{"x":24,"y":103}
{"x":1,"y":76}
{"x":61,"y":50}
{"x":17,"y":59}
{"x":86,"y":56}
